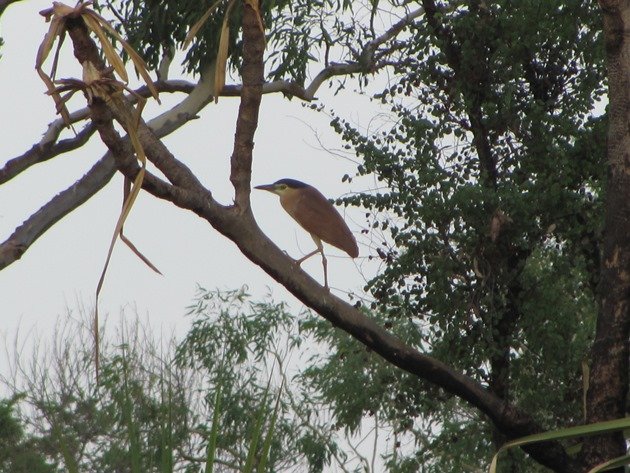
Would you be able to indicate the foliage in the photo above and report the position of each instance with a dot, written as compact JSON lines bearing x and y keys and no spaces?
{"x":296,"y":32}
{"x":154,"y":409}
{"x":492,"y":169}
{"x":19,"y":452}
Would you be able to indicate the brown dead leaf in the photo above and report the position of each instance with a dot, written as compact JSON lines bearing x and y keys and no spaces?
{"x":197,"y":26}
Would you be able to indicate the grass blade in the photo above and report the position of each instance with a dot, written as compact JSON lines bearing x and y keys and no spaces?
{"x":131,"y":424}
{"x":610,"y":464}
{"x":598,"y":428}
{"x":211,"y":449}
{"x":257,"y":431}
{"x":167,"y":445}
{"x":264,"y":454}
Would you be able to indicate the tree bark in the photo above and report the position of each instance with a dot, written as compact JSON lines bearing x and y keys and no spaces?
{"x":607,"y":393}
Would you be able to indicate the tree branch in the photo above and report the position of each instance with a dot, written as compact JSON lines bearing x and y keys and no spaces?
{"x":101,"y":173}
{"x":40,"y":153}
{"x":5,"y":3}
{"x":607,"y":393}
{"x":251,"y":96}
{"x":58,"y":207}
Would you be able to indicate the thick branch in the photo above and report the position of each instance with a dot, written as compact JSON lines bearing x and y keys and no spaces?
{"x":59,"y":206}
{"x":251,"y":95}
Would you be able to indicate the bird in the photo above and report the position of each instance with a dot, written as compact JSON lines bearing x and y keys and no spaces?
{"x":316,"y":215}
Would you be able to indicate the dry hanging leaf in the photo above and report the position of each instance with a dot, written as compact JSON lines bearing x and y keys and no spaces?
{"x":222,"y":53}
{"x":197,"y":26}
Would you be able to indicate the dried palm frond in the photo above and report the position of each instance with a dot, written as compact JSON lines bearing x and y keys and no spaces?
{"x":58,"y":16}
{"x":222,"y":52}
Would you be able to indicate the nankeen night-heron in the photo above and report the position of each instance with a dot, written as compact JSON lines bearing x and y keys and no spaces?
{"x":316,"y":215}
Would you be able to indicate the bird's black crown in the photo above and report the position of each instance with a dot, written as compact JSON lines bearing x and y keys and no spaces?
{"x":292,"y":183}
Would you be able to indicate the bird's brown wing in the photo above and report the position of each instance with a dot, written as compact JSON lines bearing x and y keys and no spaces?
{"x":320,"y":218}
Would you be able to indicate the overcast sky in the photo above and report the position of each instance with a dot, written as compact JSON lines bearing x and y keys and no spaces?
{"x":62,"y":268}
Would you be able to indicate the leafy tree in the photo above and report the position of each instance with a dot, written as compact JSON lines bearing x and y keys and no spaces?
{"x":153,"y":407}
{"x":19,"y":452}
{"x":495,"y":135}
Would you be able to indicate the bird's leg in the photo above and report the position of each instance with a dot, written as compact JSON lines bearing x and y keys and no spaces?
{"x":304,"y":258}
{"x":325,"y":264}
{"x":320,"y":248}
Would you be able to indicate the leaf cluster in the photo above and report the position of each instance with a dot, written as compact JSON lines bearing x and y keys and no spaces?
{"x":296,"y":32}
{"x":19,"y":453}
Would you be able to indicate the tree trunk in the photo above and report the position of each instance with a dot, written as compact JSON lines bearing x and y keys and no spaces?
{"x":609,"y":358}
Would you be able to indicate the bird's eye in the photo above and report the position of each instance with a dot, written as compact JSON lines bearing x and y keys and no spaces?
{"x":283,"y":187}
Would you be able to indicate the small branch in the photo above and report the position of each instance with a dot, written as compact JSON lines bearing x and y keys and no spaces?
{"x":39,"y":154}
{"x":47,"y":148}
{"x":367,"y":63}
{"x":369,"y":50}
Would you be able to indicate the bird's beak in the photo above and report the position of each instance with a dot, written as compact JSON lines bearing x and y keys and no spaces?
{"x":266,"y":187}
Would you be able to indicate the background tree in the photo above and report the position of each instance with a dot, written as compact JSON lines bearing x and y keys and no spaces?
{"x":495,"y":132}
{"x":509,"y":209}
{"x":155,"y":403}
{"x":19,"y":452}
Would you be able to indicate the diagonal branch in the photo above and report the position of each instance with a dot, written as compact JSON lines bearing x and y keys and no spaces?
{"x":58,"y":207}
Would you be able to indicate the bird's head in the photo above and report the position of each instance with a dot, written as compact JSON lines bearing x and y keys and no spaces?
{"x":283,"y":187}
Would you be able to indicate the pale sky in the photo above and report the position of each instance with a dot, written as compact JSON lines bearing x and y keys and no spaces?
{"x":64,"y":265}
